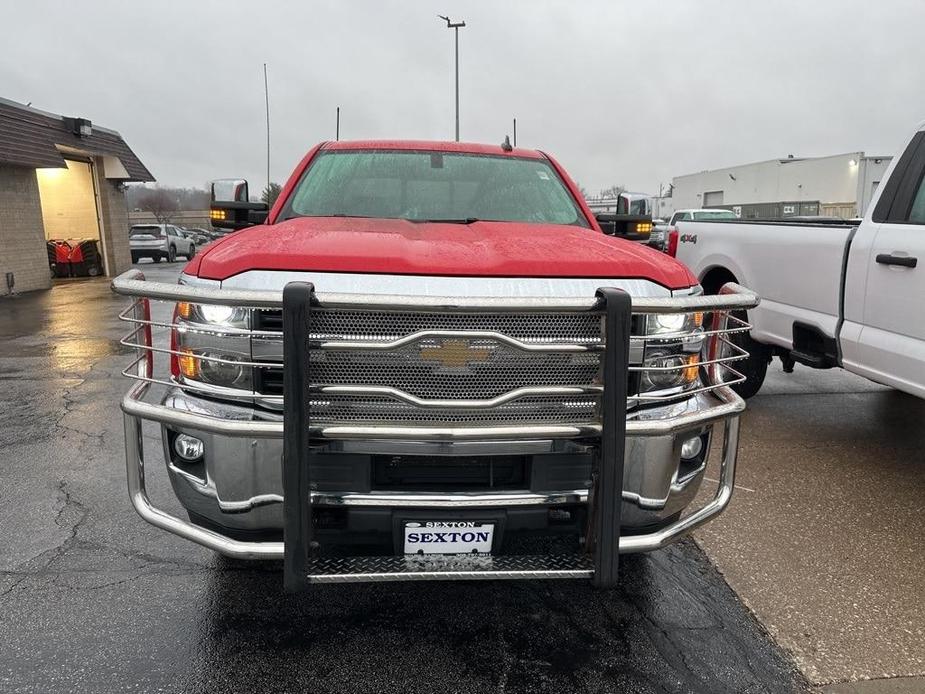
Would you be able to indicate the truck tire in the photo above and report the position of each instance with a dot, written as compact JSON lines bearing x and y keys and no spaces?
{"x":172,"y":254}
{"x":191,"y":252}
{"x":755,"y":368}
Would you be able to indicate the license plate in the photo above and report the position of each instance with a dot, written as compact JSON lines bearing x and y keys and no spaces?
{"x":448,"y":537}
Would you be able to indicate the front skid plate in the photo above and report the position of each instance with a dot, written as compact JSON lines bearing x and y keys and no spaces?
{"x":446,"y":567}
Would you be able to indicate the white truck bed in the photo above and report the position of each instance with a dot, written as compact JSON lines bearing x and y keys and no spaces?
{"x":796,"y":268}
{"x":832,"y":294}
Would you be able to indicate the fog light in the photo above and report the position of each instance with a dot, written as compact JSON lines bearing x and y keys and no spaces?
{"x":189,"y":448}
{"x":691,"y":448}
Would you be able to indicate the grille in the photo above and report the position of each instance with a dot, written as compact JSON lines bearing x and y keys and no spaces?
{"x":371,"y":410}
{"x":504,"y":369}
{"x":384,"y":326}
{"x":428,"y":369}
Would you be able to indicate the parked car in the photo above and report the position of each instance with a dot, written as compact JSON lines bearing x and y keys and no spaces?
{"x":199,"y":236}
{"x":833,"y":293}
{"x":463,"y":376}
{"x":159,"y":242}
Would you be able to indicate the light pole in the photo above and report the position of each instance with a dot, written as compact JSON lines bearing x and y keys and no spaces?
{"x":455,"y":27}
{"x":266,"y":95}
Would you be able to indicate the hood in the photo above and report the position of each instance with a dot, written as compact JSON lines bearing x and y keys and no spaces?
{"x":400,"y":247}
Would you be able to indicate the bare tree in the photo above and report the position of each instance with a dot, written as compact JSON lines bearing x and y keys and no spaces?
{"x":186,"y":198}
{"x":613,"y":191}
{"x":160,"y":203}
{"x":270,"y":193}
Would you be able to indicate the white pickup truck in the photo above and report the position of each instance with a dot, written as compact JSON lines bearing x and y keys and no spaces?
{"x":832,"y":294}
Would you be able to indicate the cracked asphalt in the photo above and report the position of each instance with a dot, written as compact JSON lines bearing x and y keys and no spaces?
{"x":92,"y":599}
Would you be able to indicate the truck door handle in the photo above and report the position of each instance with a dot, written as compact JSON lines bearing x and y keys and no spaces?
{"x":903,"y":260}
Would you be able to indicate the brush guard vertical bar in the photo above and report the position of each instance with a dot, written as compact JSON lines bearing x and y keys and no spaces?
{"x":299,"y":544}
{"x":606,"y":498}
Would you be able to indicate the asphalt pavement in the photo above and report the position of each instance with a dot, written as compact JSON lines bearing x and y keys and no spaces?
{"x":824,"y":537}
{"x":92,"y":599}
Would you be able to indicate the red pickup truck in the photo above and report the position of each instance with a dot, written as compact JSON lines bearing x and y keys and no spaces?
{"x":428,"y":362}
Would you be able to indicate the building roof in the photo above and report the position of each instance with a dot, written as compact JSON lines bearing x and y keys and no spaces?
{"x":29,"y":137}
{"x":789,"y":160}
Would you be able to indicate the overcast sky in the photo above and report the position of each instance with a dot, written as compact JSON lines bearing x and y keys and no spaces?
{"x":620,"y":92}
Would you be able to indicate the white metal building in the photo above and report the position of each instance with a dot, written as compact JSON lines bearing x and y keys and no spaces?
{"x":841,"y":184}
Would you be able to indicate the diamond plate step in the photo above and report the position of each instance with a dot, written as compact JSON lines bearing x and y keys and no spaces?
{"x":443,"y":567}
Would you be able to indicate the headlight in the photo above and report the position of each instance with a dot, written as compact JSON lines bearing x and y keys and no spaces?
{"x":666,"y":369}
{"x":214,"y":314}
{"x":672,"y":354}
{"x":222,"y":373}
{"x":206,"y":355}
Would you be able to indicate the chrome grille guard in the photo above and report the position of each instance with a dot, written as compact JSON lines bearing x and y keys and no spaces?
{"x":542,"y":409}
{"x":716,"y":373}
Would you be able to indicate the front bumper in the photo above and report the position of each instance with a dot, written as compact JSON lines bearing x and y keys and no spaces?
{"x":240,"y":485}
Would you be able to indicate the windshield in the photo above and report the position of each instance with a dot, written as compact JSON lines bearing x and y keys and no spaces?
{"x":151,"y":229}
{"x":714,"y":214}
{"x":432,"y":186}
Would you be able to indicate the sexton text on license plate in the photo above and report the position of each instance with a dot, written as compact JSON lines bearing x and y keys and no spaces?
{"x":448,"y":537}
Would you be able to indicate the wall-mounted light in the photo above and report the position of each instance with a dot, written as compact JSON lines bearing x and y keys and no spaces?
{"x":853,"y":162}
{"x":81,"y":127}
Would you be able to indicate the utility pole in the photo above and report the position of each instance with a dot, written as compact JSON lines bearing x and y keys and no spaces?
{"x":266,"y":94}
{"x":337,"y":129}
{"x":455,"y":26}
{"x":515,"y":132}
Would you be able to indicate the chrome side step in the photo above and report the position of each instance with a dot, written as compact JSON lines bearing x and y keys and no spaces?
{"x":448,"y":567}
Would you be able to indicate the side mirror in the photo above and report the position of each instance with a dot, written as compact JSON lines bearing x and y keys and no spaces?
{"x":229,"y":190}
{"x":231,"y":208}
{"x":626,"y":226}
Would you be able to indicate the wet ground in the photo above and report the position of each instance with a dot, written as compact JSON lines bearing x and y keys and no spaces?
{"x":94,"y":599}
{"x":824,"y":539}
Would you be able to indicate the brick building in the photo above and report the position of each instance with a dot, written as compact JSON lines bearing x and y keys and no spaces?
{"x":60,"y":179}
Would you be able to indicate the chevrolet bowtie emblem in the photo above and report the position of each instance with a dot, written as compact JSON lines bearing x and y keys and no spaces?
{"x":457,"y":353}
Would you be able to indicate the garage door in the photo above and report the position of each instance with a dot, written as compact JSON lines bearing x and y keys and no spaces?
{"x":713,"y":198}
{"x":70,"y":215}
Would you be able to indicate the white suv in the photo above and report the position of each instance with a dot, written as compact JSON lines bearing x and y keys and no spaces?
{"x":159,"y":242}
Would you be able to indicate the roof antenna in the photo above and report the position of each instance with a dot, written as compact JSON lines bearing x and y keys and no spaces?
{"x":506,"y":145}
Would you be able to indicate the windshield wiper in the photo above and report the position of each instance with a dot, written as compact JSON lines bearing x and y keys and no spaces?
{"x":459,"y":220}
{"x":340,"y":215}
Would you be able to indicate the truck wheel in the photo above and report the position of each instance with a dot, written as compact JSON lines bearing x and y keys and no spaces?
{"x":755,"y":368}
{"x":192,"y":252}
{"x":172,"y":254}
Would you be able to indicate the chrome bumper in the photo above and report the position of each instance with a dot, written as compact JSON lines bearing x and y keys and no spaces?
{"x":726,"y":411}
